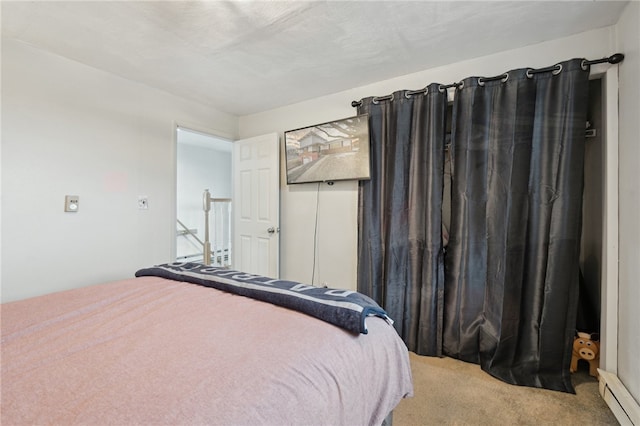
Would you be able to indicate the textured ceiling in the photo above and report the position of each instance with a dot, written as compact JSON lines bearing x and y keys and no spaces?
{"x":250,"y":56}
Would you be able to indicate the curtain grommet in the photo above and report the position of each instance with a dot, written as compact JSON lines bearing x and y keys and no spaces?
{"x":557,"y":71}
{"x":503,"y":78}
{"x":584,"y":65}
{"x":409,"y":93}
{"x":529,"y":73}
{"x":376,"y":99}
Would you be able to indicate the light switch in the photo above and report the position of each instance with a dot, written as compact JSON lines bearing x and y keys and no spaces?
{"x":71,"y":203}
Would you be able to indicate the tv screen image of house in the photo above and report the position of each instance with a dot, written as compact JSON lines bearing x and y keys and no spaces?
{"x":338,"y":150}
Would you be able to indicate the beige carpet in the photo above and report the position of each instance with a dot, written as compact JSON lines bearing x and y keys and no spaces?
{"x":452,"y":392}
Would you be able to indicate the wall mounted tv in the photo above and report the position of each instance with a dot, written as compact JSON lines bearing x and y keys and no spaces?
{"x":328,"y":152}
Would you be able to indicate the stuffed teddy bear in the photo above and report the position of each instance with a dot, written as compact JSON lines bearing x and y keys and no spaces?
{"x":586,"y":347}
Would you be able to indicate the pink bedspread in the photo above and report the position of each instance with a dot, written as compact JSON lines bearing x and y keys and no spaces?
{"x":154,"y":351}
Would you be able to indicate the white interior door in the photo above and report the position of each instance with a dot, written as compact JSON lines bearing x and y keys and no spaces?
{"x":256,"y":198}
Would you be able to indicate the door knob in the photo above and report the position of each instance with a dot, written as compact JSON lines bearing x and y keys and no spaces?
{"x":271,"y":230}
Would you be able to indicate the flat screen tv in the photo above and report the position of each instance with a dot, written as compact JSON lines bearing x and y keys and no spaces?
{"x":328,"y":152}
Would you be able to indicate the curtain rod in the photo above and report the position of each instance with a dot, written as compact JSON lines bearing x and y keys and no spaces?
{"x":555,"y":69}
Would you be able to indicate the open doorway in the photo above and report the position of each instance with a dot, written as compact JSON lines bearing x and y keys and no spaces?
{"x":589,"y":312}
{"x":203,"y":162}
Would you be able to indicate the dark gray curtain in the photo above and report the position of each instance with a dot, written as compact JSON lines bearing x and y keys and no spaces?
{"x":512,"y":263}
{"x":400,"y":256}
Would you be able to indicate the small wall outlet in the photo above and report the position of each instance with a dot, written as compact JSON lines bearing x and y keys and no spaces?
{"x":143,"y":202}
{"x":71,"y":203}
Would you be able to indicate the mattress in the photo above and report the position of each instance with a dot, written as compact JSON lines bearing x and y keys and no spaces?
{"x":151,"y":350}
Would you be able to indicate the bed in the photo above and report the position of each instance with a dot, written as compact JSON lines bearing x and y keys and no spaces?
{"x":167,"y":349}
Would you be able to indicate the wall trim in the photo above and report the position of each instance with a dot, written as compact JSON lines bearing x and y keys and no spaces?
{"x":619,"y":400}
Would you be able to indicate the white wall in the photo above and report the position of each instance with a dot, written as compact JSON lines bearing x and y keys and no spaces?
{"x":628,"y":42}
{"x":337,"y":235}
{"x":71,"y":129}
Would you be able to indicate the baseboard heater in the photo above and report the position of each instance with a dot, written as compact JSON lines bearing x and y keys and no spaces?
{"x":619,"y":400}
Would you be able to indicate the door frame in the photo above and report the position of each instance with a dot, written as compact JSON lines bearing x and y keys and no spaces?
{"x":609,"y":275}
{"x":174,"y":164}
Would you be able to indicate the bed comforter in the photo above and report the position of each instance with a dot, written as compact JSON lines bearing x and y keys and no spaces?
{"x":155,"y":351}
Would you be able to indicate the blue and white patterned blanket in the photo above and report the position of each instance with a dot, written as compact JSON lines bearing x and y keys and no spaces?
{"x":345,"y":308}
